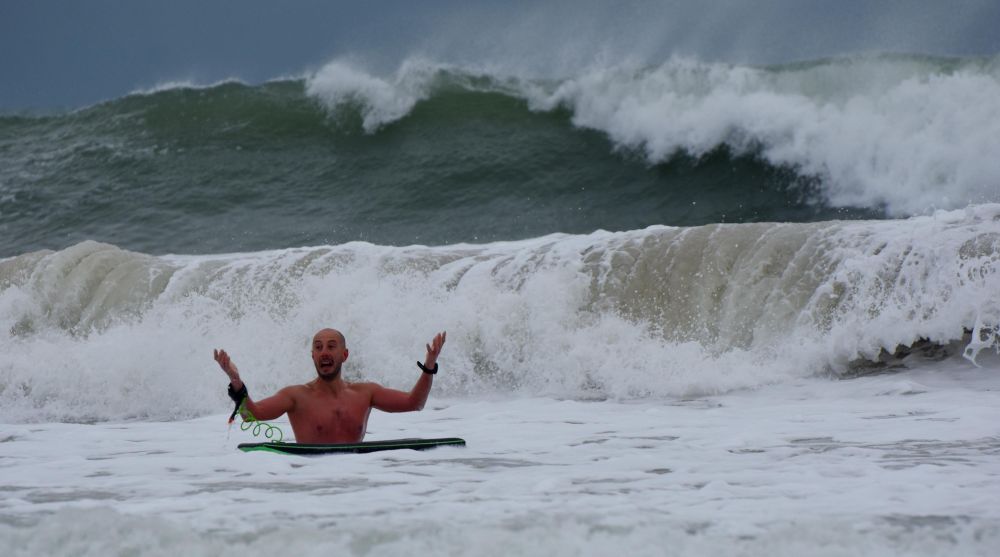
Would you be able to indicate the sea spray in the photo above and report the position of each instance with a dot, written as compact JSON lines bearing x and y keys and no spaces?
{"x":655,"y":312}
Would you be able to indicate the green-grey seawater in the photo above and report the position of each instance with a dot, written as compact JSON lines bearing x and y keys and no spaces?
{"x":235,"y":167}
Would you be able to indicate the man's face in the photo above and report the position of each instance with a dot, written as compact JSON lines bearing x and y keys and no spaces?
{"x":329,"y":353}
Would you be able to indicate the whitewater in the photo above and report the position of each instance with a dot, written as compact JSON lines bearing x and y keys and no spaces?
{"x":876,"y":466}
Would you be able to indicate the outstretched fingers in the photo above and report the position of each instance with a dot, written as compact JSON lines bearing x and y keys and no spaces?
{"x":225,"y":362}
{"x":434,"y":349}
{"x":435,"y":346}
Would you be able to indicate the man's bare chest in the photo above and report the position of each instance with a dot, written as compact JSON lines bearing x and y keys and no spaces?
{"x":332,"y":419}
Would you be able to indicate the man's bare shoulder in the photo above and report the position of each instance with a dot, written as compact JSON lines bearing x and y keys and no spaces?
{"x":365,"y":387}
{"x":295,"y":390}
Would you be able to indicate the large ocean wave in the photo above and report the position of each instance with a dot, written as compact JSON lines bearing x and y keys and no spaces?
{"x":94,"y":332}
{"x":440,"y":154}
{"x":906,"y":133}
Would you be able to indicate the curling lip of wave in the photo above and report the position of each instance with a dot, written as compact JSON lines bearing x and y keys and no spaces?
{"x":907,"y":133}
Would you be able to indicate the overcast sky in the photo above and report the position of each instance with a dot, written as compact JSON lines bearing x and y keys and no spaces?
{"x":66,"y":53}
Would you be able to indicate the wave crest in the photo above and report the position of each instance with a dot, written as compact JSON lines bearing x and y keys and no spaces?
{"x":380,"y":100}
{"x":905,"y":133}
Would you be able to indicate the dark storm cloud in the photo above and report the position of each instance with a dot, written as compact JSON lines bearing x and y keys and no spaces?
{"x":73,"y":53}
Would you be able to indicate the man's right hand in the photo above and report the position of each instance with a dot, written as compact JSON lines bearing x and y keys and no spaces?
{"x":229,"y":367}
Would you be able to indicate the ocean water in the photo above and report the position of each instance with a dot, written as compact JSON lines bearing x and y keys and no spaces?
{"x":435,"y":154}
{"x":692,"y":309}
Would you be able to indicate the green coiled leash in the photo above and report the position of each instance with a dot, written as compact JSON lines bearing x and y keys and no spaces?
{"x":249,"y":421}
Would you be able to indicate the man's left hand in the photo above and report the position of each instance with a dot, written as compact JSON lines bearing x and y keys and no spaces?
{"x":434,"y":349}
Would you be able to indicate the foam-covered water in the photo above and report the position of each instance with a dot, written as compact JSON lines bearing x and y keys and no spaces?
{"x":657,"y":312}
{"x":893,"y":464}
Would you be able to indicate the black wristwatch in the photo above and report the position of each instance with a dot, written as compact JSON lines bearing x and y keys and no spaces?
{"x":425,"y":370}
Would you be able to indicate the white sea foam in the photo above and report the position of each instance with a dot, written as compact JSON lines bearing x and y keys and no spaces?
{"x":656,"y":312}
{"x":904,"y":133}
{"x":382,"y":100}
{"x":908,"y":143}
{"x":872,"y":466}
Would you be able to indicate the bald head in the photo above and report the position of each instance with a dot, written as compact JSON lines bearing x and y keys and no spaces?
{"x":329,"y":351}
{"x":324,"y":334}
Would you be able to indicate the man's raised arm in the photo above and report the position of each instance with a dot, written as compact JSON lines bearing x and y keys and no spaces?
{"x":390,"y":400}
{"x":267,"y":409}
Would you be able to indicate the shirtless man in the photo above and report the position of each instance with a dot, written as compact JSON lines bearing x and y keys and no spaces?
{"x":329,"y":409}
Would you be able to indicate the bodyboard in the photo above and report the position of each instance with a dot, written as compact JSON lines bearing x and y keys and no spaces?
{"x":309,"y":449}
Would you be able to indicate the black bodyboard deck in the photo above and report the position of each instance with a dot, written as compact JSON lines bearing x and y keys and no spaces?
{"x":308,"y":449}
